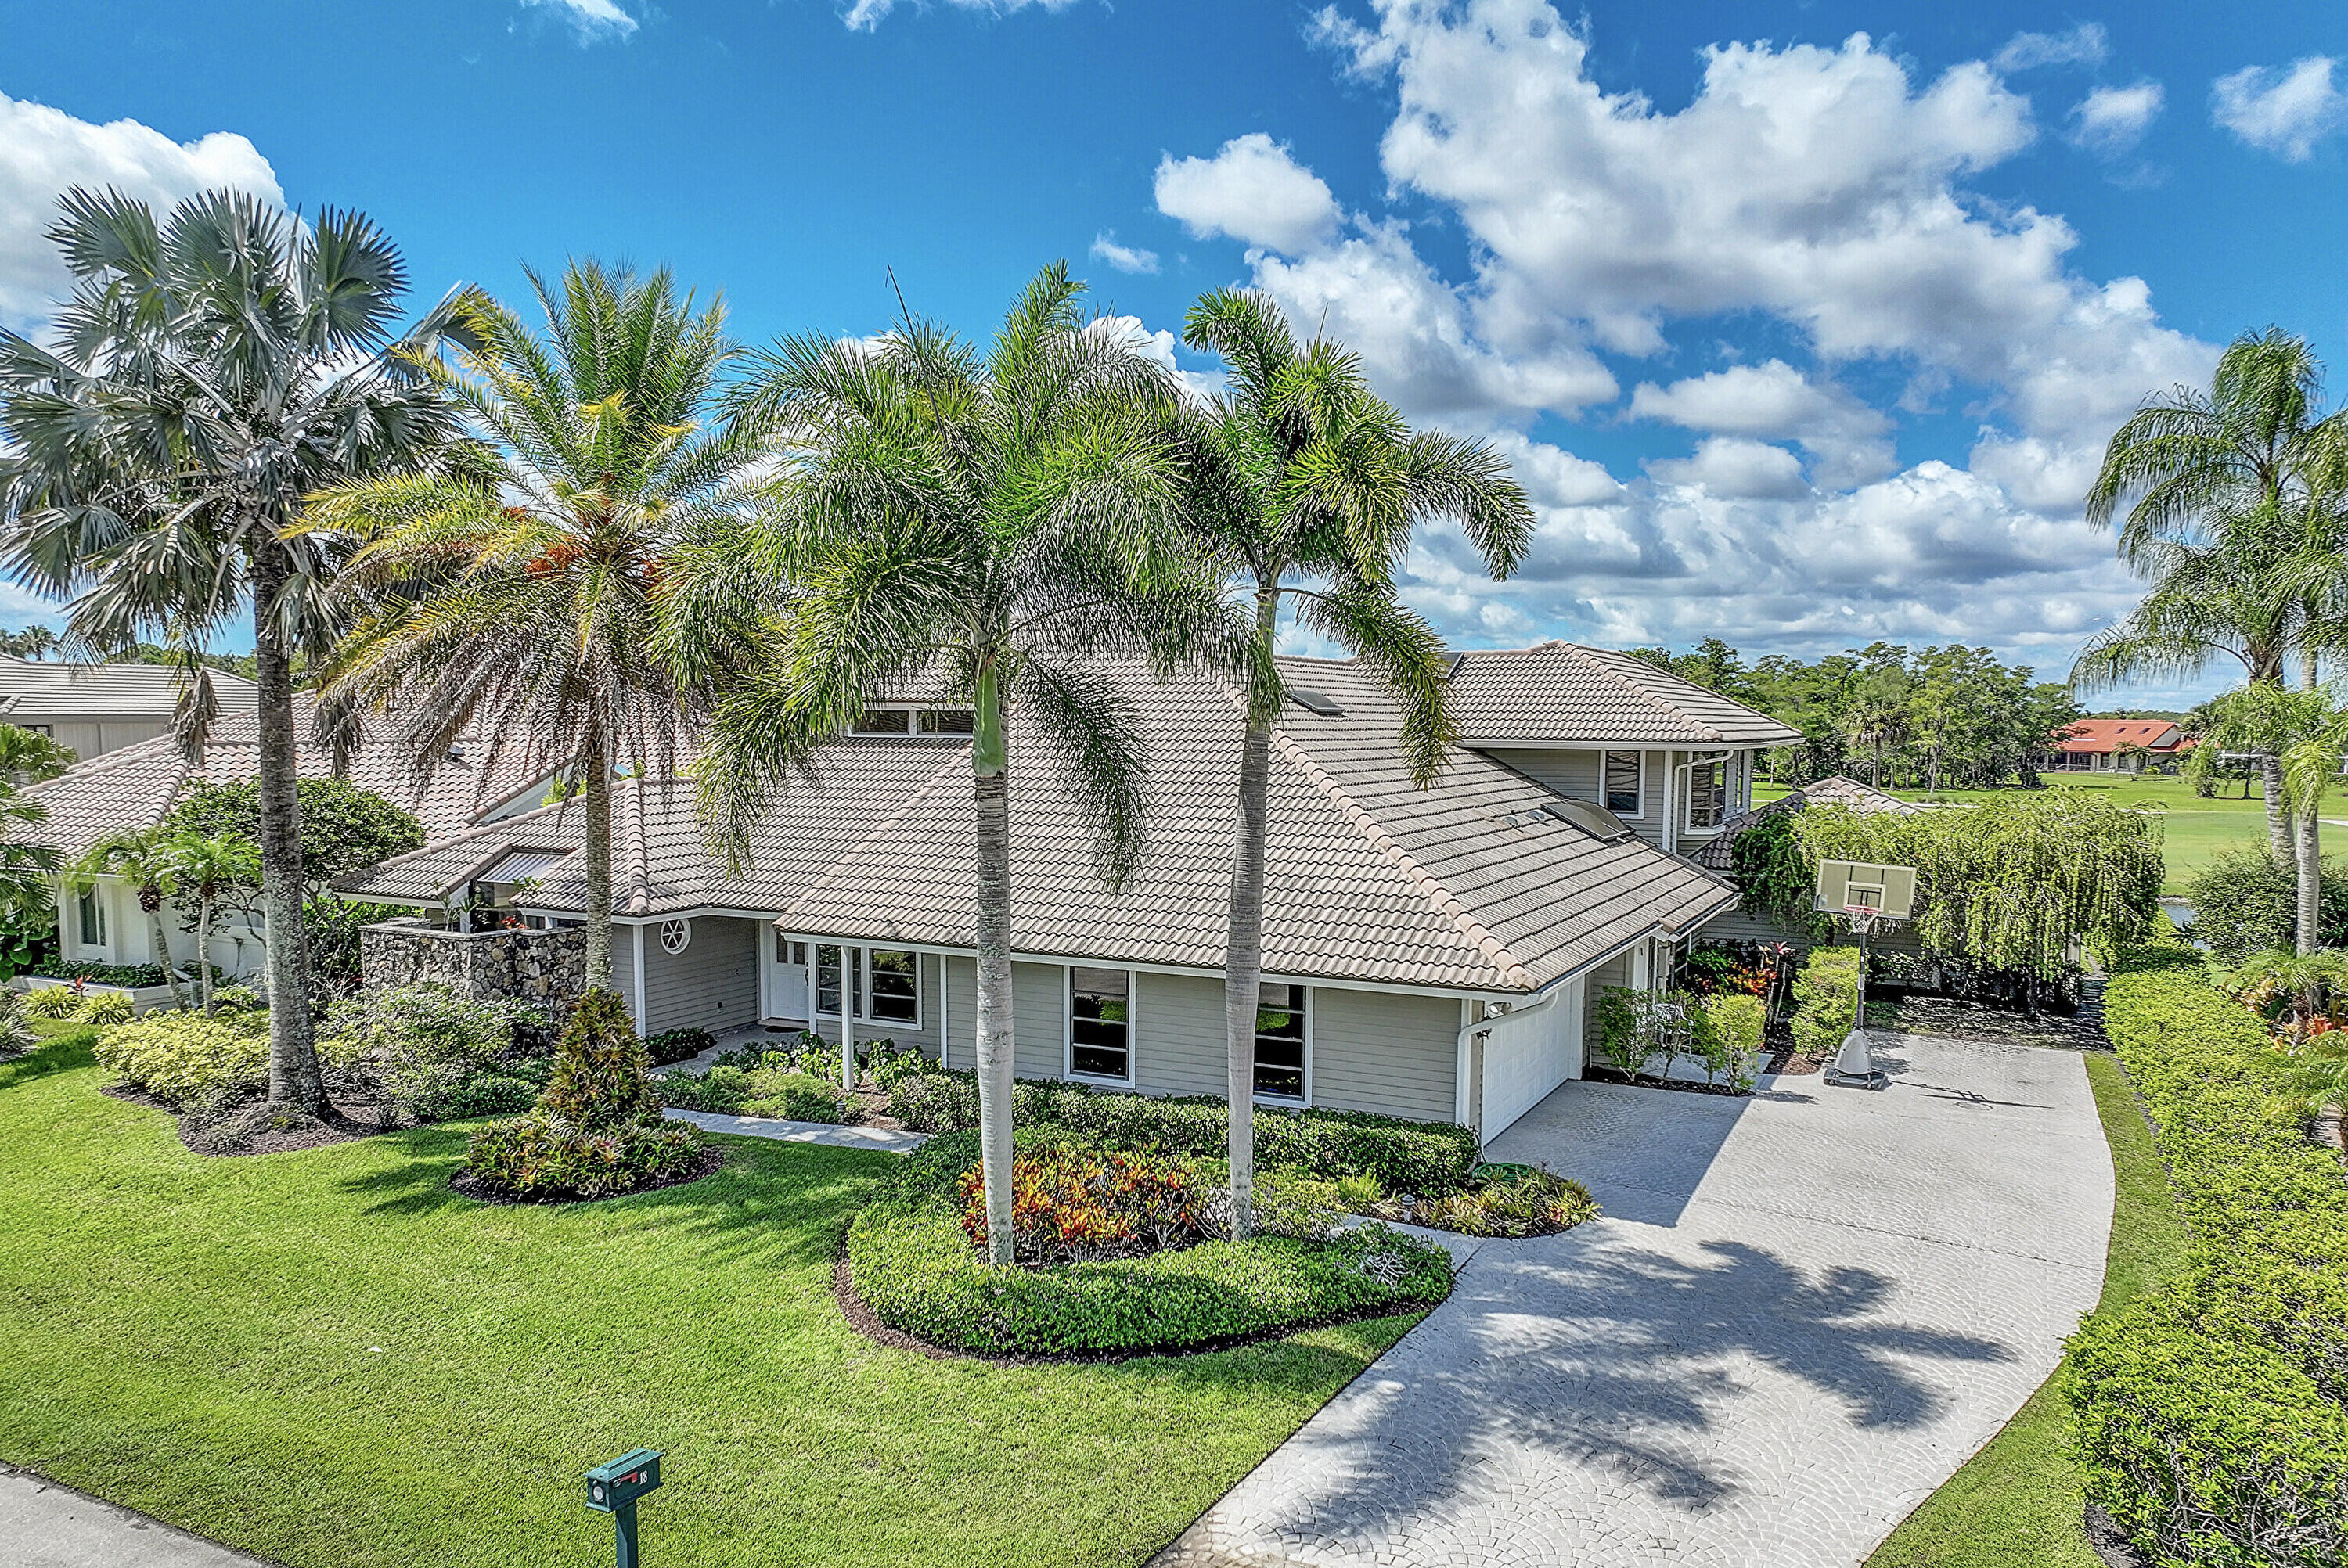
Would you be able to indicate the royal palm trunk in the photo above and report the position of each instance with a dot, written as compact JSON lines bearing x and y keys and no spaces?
{"x":991,"y":799}
{"x":1243,"y":940}
{"x":293,"y":1076}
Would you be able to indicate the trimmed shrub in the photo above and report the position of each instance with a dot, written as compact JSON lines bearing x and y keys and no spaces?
{"x":1729,"y":1034}
{"x":672,"y":1045}
{"x":483,"y":1094}
{"x":2246,"y":901}
{"x":1826,"y":1000}
{"x":52,"y":1001}
{"x":419,"y":1046}
{"x":2211,"y":1414}
{"x":1421,"y":1157}
{"x":105,"y":1009}
{"x":181,"y":1058}
{"x":793,"y":1096}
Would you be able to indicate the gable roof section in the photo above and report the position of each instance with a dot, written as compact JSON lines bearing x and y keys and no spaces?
{"x":2102,"y":737}
{"x":1563,"y":692}
{"x":48,"y":690}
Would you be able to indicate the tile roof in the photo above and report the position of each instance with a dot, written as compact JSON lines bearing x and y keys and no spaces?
{"x":137,"y":785}
{"x":1564,"y":691}
{"x":1470,"y":884}
{"x":47,"y":690}
{"x":1835,"y":790}
{"x":2100,"y":737}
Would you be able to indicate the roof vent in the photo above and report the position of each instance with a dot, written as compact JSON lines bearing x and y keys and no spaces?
{"x":1316,"y":703}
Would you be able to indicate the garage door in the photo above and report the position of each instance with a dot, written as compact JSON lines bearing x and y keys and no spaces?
{"x":1526,"y":1055}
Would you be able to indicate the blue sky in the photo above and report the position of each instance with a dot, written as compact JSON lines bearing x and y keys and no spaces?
{"x":1796,"y":335}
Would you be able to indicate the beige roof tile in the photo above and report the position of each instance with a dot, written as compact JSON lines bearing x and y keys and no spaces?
{"x":1564,"y":691}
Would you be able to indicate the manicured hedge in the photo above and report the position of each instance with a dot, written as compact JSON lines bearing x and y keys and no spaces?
{"x":2211,"y":1414}
{"x":1421,"y":1157}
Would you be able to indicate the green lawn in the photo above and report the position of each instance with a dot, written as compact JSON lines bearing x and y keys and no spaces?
{"x":330,"y":1358}
{"x":2017,"y":1503}
{"x":2193,"y":830}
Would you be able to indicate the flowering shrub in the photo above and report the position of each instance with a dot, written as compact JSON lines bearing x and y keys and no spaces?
{"x":180,"y":1058}
{"x":1072,"y":1202}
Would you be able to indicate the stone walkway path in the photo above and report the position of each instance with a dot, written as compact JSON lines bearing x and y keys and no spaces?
{"x":1802,"y":1312}
{"x":799,"y":1132}
{"x":44,"y":1525}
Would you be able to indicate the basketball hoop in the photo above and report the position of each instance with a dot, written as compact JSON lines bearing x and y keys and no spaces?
{"x":1866,"y":896}
{"x":1861,"y":918}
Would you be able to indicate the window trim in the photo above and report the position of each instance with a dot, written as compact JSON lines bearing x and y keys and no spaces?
{"x":1283,"y":1102}
{"x":1726,"y":763}
{"x":89,"y":910}
{"x":1606,"y":795}
{"x":1068,"y":1026}
{"x":864,"y":962}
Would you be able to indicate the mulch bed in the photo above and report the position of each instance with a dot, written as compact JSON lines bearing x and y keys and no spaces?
{"x":712,"y":1159}
{"x":343,"y":1122}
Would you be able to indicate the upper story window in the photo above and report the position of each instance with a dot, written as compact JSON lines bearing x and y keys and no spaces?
{"x":1707,"y":800}
{"x":1624,"y":774}
{"x":910,"y":721}
{"x":885,"y":721}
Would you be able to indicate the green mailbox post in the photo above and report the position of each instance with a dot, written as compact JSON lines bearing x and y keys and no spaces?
{"x":613,"y":1488}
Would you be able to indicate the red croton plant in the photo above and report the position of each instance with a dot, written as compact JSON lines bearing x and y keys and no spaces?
{"x":1072,"y":1204}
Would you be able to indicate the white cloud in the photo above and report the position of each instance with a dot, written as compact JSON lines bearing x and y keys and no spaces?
{"x":867,"y":15}
{"x":594,"y":21}
{"x":1202,"y":384}
{"x":1251,"y":191}
{"x":2285,"y":112}
{"x":2110,"y":121}
{"x":1124,"y":258}
{"x":1773,"y":400}
{"x":2084,"y":44}
{"x":44,"y":153}
{"x":1736,"y":467}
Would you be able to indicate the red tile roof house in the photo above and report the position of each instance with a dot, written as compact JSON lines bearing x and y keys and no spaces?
{"x":2108,"y":745}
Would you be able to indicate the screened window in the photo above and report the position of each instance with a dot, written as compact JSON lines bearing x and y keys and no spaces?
{"x":92,"y":910}
{"x":1280,"y":1042}
{"x":1101,"y":1023}
{"x":1623,"y":783}
{"x":895,"y":988}
{"x":885,"y":721}
{"x":1707,"y":803}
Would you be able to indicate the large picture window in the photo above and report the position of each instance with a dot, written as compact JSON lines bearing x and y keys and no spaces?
{"x":1622,"y":780}
{"x":895,"y":986}
{"x":1707,"y":803}
{"x":1280,"y":1042}
{"x":1101,"y":1023}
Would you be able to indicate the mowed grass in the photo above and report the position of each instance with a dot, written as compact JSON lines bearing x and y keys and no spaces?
{"x":2193,"y":830}
{"x":2018,"y":1503}
{"x":330,"y":1358}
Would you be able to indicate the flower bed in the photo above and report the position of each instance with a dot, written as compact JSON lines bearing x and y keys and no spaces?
{"x":2212,"y":1414}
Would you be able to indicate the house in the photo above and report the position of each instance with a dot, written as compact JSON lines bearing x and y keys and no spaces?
{"x":94,"y":709}
{"x":136,"y":785}
{"x":2116,"y":745}
{"x":1429,"y":953}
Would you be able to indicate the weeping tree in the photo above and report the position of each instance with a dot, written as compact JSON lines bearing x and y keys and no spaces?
{"x":2020,"y":883}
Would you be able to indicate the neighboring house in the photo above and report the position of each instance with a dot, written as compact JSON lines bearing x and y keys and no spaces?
{"x":2116,"y":745}
{"x":137,"y":786}
{"x":99,"y":707}
{"x":1428,"y":953}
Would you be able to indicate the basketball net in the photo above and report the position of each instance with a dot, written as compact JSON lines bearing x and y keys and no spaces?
{"x":1863,"y":918}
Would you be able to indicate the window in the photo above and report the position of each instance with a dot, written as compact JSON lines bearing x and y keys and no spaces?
{"x":947,"y":722}
{"x":885,"y":721}
{"x":827,"y":982}
{"x":1623,"y":777}
{"x":1101,"y":1023}
{"x":895,"y":986}
{"x":92,"y":910}
{"x":1707,"y":803}
{"x":1280,"y":1042}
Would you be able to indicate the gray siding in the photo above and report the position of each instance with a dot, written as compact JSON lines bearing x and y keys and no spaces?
{"x":962,"y":1013}
{"x":1179,"y":1022}
{"x":1394,"y":1054}
{"x":93,"y":737}
{"x":1614,"y":971}
{"x":1039,"y":1005}
{"x":712,"y":984}
{"x":1578,"y":773}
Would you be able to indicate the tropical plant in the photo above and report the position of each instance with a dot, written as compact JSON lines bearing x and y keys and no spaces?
{"x":35,"y":642}
{"x":1305,"y":488}
{"x":211,"y":369}
{"x":27,"y":866}
{"x":2302,"y":987}
{"x":516,"y":593}
{"x":986,"y":526}
{"x":345,"y":827}
{"x":211,"y":868}
{"x":16,"y":1034}
{"x":2309,"y":736}
{"x":141,"y":858}
{"x":28,"y":756}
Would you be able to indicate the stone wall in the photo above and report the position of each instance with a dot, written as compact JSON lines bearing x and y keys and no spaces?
{"x":545,"y":969}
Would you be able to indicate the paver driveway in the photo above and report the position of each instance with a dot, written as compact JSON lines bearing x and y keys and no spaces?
{"x":1801,"y":1313}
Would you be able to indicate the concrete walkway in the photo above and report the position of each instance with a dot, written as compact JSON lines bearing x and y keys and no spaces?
{"x":1802,"y":1312}
{"x":784,"y":1132}
{"x":44,"y":1525}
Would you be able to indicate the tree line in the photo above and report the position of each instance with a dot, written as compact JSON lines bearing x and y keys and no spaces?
{"x":1932,"y":718}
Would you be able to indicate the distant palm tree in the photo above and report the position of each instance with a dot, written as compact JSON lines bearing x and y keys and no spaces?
{"x":2269,"y":720}
{"x":142,"y":857}
{"x":211,"y":369}
{"x":516,"y":593}
{"x":987,"y":527}
{"x":33,"y":642}
{"x":27,"y":869}
{"x":209,"y":868}
{"x":1305,"y":488}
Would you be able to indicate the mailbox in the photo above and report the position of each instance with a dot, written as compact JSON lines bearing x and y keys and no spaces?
{"x":617,"y":1484}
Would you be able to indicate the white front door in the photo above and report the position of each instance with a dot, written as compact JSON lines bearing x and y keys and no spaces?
{"x":782,"y":983}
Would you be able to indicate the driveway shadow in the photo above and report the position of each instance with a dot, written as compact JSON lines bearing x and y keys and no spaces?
{"x":1642,"y":1152}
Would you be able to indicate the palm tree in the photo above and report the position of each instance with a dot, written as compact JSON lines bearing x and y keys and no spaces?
{"x":986,"y":526}
{"x":517,"y":592}
{"x":1305,"y":490}
{"x":2271,"y":721}
{"x":26,"y":868}
{"x":2309,"y":980}
{"x":208,"y":867}
{"x":211,"y":370}
{"x":36,"y":641}
{"x":141,"y":857}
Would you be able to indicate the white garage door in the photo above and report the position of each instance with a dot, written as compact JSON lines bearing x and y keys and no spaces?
{"x":1526,"y":1055}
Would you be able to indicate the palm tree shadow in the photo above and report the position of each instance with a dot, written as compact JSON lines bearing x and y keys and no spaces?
{"x":1619,"y":1358}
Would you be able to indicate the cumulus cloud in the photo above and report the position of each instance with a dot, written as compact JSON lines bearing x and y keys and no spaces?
{"x":2084,"y":44}
{"x":45,"y":153}
{"x":2110,"y":121}
{"x":1850,"y":440}
{"x":1124,"y":258}
{"x":1736,"y":468}
{"x":866,"y":15}
{"x":1251,"y":191}
{"x":2285,"y":111}
{"x":1201,"y":385}
{"x":593,"y":21}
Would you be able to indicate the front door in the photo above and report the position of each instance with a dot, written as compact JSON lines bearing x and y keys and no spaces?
{"x":783,"y":977}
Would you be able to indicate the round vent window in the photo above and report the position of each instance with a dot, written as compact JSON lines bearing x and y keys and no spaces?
{"x":675,"y":934}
